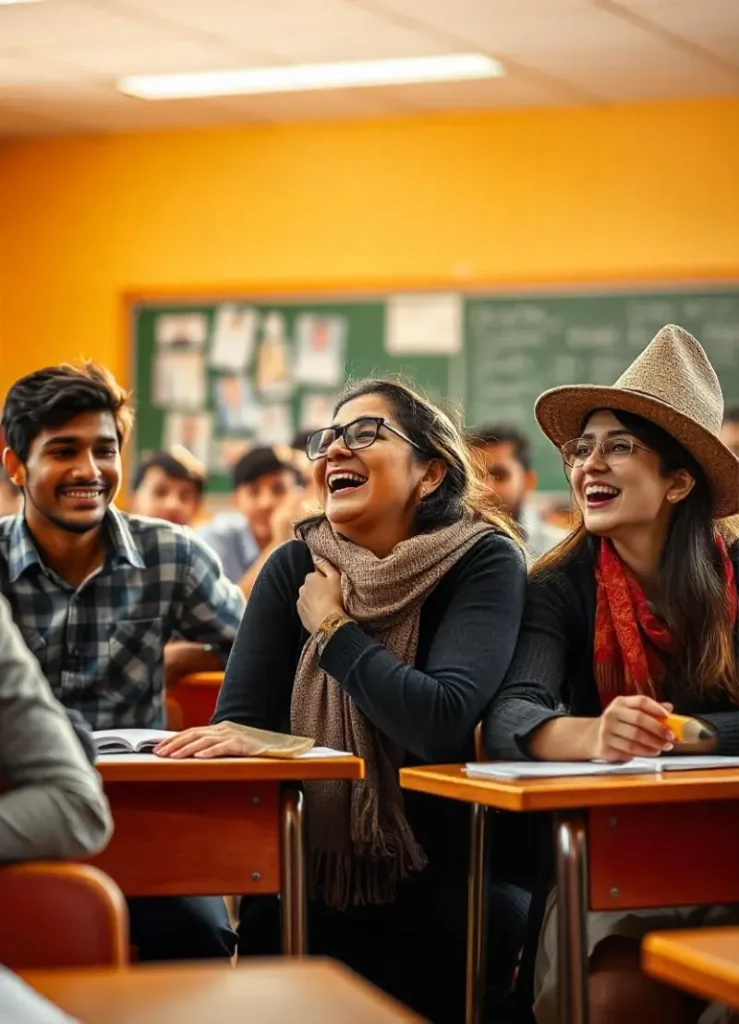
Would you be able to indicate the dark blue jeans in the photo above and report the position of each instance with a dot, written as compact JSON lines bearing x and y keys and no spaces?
{"x":181,"y":928}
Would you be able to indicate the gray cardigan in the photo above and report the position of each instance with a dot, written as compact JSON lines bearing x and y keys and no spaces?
{"x":551,"y":673}
{"x":52,"y":805}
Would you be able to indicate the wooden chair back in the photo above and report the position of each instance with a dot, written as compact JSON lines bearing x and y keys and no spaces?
{"x":61,"y":915}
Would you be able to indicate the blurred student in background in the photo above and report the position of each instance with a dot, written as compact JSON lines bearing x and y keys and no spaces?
{"x":10,"y":496}
{"x":510,"y":480}
{"x":730,"y":429}
{"x":169,"y":485}
{"x":268,"y":499}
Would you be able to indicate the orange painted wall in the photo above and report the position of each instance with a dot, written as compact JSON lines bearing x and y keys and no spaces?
{"x":646,"y":191}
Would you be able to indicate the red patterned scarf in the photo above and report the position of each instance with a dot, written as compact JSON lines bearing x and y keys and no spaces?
{"x":633,"y":645}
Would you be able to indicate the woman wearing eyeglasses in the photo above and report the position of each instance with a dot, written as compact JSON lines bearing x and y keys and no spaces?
{"x":384,"y":630}
{"x":632,"y":616}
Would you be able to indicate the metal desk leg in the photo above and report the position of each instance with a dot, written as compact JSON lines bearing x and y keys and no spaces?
{"x":294,"y":901}
{"x":572,"y":908}
{"x":476,"y":919}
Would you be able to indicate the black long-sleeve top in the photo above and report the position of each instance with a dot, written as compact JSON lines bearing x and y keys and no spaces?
{"x":551,"y":673}
{"x":467,"y":634}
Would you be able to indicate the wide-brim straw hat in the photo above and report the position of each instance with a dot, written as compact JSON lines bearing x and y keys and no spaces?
{"x":672,"y":384}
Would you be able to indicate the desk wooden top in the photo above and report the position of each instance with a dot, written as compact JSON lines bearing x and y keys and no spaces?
{"x":200,"y":679}
{"x":149,"y":768}
{"x":450,"y":780}
{"x":262,"y":992}
{"x":704,"y":961}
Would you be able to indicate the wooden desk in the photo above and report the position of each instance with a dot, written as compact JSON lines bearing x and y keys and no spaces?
{"x":603,"y":826}
{"x":271,"y":992}
{"x":704,"y":961}
{"x":196,"y":697}
{"x":214,"y":827}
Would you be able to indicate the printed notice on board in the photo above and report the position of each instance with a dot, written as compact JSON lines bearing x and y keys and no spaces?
{"x":424,"y":324}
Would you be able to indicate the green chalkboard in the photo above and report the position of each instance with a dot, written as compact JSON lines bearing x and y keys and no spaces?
{"x":514,"y":347}
{"x":518,"y":346}
{"x":178,"y":388}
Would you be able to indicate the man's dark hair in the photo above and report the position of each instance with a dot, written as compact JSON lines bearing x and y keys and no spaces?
{"x":260,"y":462}
{"x":300,"y":440}
{"x":51,"y":397}
{"x":731,"y":414}
{"x":168,"y":465}
{"x":503,"y":433}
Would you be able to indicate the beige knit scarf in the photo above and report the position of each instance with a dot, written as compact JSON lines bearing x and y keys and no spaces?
{"x":359,"y":841}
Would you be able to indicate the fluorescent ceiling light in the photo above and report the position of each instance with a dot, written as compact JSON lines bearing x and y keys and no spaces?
{"x":306,"y":77}
{"x":7,"y":3}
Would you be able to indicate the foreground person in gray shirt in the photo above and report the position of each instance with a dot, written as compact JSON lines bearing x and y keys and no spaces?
{"x":52,"y":804}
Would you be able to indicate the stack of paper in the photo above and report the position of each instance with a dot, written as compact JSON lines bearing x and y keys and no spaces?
{"x":565,"y":769}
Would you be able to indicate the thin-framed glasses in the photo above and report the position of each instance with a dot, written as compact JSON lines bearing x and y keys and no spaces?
{"x":360,"y":433}
{"x":612,"y":449}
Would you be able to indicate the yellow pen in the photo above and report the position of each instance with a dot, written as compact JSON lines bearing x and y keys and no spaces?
{"x":686,"y":729}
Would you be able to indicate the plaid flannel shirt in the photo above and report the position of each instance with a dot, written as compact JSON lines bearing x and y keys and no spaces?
{"x":101,"y":644}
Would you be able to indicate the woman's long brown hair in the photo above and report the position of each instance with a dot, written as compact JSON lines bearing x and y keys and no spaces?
{"x":691,"y":571}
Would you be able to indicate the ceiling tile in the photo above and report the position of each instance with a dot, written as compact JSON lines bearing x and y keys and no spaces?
{"x":319,"y":105}
{"x":481,"y":95}
{"x":617,"y":76}
{"x":67,"y":22}
{"x":115,"y":57}
{"x":102,"y":109}
{"x":27,"y":69}
{"x":711,"y":24}
{"x":313,"y":30}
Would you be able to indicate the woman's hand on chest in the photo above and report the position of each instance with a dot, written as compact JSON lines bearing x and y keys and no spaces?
{"x":320,"y":594}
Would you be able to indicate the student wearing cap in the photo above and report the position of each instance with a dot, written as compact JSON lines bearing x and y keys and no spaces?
{"x":169,"y":485}
{"x":633,"y":615}
{"x":268,"y":500}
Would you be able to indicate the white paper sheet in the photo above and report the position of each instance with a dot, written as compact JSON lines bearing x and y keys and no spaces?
{"x":234,"y":332}
{"x":424,"y":324}
{"x":321,"y":349}
{"x":181,"y":330}
{"x":179,"y":380}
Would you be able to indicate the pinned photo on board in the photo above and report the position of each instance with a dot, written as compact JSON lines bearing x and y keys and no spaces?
{"x":234,"y":334}
{"x":321,"y":349}
{"x":316,"y":411}
{"x":188,"y":331}
{"x":226,"y":452}
{"x":236,"y":405}
{"x":275,"y":424}
{"x":191,"y":431}
{"x":178,"y":380}
{"x":273,"y":373}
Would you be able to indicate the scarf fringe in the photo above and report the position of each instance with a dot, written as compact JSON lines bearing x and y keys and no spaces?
{"x":368,"y":874}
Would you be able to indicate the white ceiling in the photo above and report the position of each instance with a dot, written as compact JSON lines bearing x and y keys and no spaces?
{"x":59,"y":58}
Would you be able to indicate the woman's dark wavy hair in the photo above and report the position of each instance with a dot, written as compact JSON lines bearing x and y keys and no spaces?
{"x":691,"y":570}
{"x":438,"y":437}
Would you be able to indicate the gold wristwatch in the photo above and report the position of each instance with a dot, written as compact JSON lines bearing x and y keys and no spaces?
{"x":332,"y":622}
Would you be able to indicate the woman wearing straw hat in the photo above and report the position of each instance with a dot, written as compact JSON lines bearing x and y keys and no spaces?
{"x":632,"y":616}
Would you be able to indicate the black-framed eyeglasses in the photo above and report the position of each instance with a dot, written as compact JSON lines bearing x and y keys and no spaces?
{"x":612,"y":449}
{"x":360,"y":433}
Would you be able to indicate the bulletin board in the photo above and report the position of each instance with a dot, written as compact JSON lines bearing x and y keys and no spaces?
{"x":219,"y":375}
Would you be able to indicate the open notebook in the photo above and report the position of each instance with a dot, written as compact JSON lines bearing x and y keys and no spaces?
{"x":265,"y":744}
{"x":564,"y":769}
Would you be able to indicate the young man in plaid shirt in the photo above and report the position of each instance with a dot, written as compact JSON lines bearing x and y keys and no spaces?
{"x":97,"y":593}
